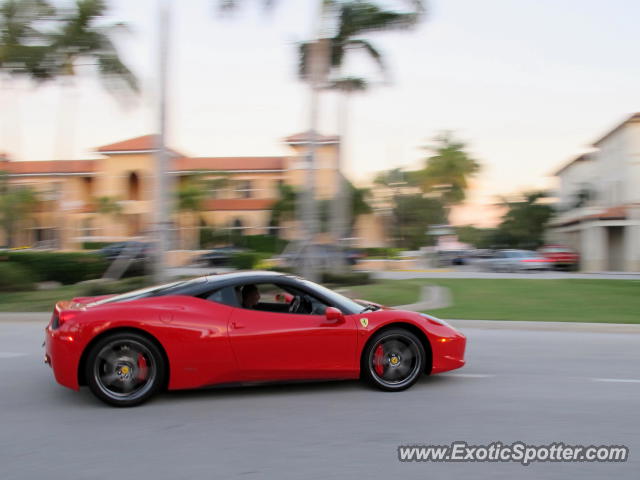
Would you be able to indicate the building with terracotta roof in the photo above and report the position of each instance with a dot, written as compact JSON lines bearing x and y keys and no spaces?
{"x":599,"y":201}
{"x":124,"y":171}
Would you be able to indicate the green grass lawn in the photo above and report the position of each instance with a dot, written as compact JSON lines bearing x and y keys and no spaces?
{"x":609,"y":301}
{"x":37,"y":300}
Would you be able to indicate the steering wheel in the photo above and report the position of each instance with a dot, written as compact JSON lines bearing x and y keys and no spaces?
{"x":296,"y":303}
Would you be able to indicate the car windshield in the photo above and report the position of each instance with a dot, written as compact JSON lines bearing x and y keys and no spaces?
{"x":335,"y":298}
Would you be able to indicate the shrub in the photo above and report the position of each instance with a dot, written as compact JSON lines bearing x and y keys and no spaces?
{"x":63,"y":267}
{"x":15,"y":277}
{"x":262,"y":243}
{"x":245,"y":260}
{"x":382,"y":252}
{"x":347,"y":278}
{"x":210,"y":238}
{"x":95,"y":245}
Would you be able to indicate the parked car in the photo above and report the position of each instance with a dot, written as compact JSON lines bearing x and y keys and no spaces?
{"x":517,"y":261}
{"x":219,"y":257}
{"x":560,"y":257}
{"x":322,"y":256}
{"x":137,"y":250}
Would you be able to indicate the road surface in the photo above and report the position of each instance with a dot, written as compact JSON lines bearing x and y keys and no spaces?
{"x":534,"y":386}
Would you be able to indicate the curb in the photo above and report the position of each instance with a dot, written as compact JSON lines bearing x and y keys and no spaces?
{"x":19,"y":317}
{"x":624,"y":328}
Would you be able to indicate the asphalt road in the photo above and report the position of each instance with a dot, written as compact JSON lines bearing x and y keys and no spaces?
{"x":535,"y":386}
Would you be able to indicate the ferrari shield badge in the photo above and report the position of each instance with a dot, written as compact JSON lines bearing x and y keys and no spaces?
{"x":364,"y":322}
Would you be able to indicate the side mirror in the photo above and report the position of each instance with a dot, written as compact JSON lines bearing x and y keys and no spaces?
{"x":333,"y":314}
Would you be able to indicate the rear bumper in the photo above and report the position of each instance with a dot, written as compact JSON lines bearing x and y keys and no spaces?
{"x":63,"y":356}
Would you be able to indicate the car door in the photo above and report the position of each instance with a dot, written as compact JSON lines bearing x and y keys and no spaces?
{"x":278,"y":345}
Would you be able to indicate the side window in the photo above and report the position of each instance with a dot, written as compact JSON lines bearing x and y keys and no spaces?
{"x":270,"y":297}
{"x":225,"y":295}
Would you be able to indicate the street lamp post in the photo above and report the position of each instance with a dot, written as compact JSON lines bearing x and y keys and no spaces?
{"x":162,"y":184}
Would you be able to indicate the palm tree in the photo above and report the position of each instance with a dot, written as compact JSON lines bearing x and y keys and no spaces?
{"x":355,"y":18}
{"x":192,"y":193}
{"x":16,"y":205}
{"x":285,"y":207}
{"x":80,"y":36}
{"x":23,"y":47}
{"x":82,"y":39}
{"x":448,"y":171}
{"x":108,"y":207}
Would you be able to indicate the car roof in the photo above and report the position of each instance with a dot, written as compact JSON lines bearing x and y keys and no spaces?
{"x":246,"y":275}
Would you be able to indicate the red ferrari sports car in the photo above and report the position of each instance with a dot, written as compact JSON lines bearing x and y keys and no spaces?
{"x":242,"y":327}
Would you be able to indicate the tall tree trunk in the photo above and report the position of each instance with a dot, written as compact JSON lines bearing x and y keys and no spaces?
{"x":340,"y":203}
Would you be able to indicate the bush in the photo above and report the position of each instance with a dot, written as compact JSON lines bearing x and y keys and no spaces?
{"x":262,"y":243}
{"x":63,"y":267}
{"x":15,"y":277}
{"x":245,"y":260}
{"x":95,"y":245}
{"x":382,"y":252}
{"x":348,"y":278}
{"x":210,"y":238}
{"x":94,"y":288}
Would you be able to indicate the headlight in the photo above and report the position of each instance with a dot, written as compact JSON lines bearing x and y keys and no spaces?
{"x":437,"y":320}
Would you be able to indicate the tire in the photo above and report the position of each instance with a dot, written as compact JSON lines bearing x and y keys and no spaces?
{"x":125,"y":369}
{"x":382,"y":360}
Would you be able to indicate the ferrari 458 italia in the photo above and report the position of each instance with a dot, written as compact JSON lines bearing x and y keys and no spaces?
{"x":239,"y":328}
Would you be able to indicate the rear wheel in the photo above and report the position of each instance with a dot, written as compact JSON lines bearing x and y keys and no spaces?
{"x":393,"y":360}
{"x":125,"y":369}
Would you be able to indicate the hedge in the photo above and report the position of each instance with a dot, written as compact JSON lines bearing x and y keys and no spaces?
{"x":63,"y":267}
{"x":96,"y":245}
{"x":210,"y":238}
{"x":14,"y":277}
{"x":245,"y":260}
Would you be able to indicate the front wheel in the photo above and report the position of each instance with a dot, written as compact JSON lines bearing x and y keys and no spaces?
{"x":125,"y":369}
{"x":393,"y":360}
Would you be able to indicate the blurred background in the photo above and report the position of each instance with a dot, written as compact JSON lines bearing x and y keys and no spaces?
{"x":377,"y":146}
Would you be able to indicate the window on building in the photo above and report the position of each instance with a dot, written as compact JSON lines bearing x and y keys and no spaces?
{"x":87,"y":189}
{"x":244,"y":189}
{"x":133,"y":186}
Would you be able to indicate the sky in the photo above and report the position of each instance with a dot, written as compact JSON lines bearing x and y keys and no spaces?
{"x":527,"y":84}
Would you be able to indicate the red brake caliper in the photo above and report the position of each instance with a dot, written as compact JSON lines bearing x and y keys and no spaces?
{"x":142,"y":367}
{"x":378,"y":356}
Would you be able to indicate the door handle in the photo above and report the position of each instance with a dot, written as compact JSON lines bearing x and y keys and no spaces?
{"x":236,"y":326}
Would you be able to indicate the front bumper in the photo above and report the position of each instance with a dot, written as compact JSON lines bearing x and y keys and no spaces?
{"x":448,"y":352}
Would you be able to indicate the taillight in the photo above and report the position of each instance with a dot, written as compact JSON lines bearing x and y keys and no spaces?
{"x":55,"y":320}
{"x":62,"y":313}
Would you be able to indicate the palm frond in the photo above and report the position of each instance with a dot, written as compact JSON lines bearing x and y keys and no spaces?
{"x":368,"y":47}
{"x":349,"y":84}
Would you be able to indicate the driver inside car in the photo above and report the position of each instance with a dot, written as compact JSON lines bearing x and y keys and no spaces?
{"x":250,"y":296}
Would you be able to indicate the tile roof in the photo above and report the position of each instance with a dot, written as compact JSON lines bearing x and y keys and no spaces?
{"x":48,"y":167}
{"x":143,"y":143}
{"x":304,"y":137}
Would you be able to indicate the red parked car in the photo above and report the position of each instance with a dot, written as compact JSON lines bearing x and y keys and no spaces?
{"x":561,"y":257}
{"x":242,"y":327}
